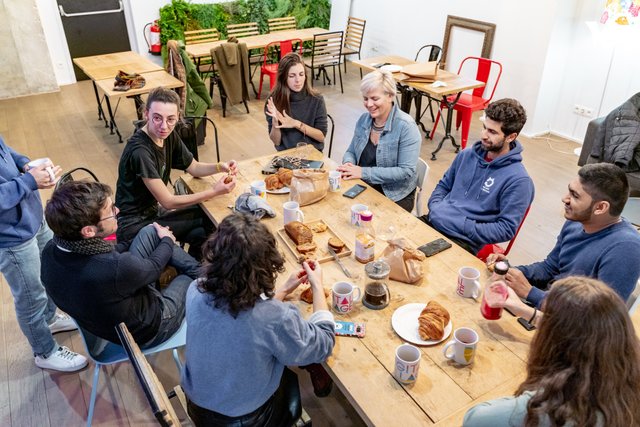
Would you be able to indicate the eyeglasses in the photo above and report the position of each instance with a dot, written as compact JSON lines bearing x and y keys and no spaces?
{"x":115,"y":211}
{"x":157,"y":120}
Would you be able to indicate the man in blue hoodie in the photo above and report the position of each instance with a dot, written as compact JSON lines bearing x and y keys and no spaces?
{"x":483,"y":196}
{"x":23,"y":235}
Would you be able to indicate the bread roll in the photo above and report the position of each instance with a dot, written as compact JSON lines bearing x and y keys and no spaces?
{"x":434,"y":307}
{"x":298,"y":232}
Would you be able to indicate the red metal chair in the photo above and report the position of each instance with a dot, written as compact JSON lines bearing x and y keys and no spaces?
{"x":468,"y":103}
{"x":271,"y":69}
{"x":492,"y":248}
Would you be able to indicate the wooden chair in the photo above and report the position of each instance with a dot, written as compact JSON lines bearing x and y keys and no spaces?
{"x":282,"y":24}
{"x":104,"y":353}
{"x":422,"y":173}
{"x":204,"y":64}
{"x":326,"y":52}
{"x":353,"y":39}
{"x":245,"y":30}
{"x":151,"y":385}
{"x":271,"y":55}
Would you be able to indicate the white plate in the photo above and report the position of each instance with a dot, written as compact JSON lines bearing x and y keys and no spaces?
{"x":405,"y":323}
{"x":283,"y":190}
{"x":392,"y":68}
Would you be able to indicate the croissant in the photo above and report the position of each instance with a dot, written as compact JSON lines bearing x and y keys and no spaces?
{"x":285,"y":176}
{"x":273,"y":182}
{"x":431,"y":326}
{"x":434,"y":307}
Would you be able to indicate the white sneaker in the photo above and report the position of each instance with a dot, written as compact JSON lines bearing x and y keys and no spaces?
{"x":63,"y":360}
{"x":62,"y":323}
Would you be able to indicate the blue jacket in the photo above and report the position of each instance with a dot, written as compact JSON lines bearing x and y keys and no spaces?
{"x":610,"y":255}
{"x":482,"y":202}
{"x":396,"y":156}
{"x":20,"y":205}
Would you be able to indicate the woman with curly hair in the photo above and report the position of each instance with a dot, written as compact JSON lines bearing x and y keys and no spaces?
{"x":241,"y":334}
{"x":295,"y":111}
{"x":583,"y":368}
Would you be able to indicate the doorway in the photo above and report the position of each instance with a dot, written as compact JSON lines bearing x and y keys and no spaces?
{"x":93,"y":27}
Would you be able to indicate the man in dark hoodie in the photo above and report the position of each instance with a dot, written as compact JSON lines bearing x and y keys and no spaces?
{"x":484,"y":195}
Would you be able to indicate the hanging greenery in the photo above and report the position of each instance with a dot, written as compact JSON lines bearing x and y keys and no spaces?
{"x":180,"y":15}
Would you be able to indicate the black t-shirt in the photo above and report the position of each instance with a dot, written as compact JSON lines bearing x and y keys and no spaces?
{"x":368,"y":159}
{"x":142,"y":158}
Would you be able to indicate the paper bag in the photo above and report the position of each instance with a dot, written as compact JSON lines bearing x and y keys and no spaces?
{"x":422,"y":72}
{"x":309,"y":185}
{"x":405,"y":261}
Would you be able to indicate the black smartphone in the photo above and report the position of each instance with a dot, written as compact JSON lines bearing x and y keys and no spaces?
{"x":434,"y":247}
{"x":354,"y":191}
{"x":379,"y":65}
{"x":525,"y":324}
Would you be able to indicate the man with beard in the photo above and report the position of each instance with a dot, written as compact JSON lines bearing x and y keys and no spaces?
{"x":483,"y":196}
{"x":594,"y":241}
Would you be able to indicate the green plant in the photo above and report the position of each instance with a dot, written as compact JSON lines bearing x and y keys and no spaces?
{"x":174,"y":19}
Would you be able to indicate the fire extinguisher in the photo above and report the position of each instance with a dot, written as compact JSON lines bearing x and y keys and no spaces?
{"x":153,"y":41}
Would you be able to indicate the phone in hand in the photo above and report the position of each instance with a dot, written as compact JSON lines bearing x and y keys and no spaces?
{"x":434,"y":247}
{"x":354,"y":191}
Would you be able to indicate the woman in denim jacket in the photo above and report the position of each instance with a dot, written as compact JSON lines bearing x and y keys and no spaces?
{"x":385,"y":147}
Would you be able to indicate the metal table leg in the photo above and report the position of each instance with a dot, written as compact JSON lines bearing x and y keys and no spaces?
{"x":447,"y":128}
{"x":112,"y":121}
{"x":100,"y":111}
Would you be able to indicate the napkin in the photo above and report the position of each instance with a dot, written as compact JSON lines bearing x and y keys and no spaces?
{"x":248,"y":203}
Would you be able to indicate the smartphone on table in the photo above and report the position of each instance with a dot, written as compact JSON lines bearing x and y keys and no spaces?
{"x":354,"y":191}
{"x":434,"y":247}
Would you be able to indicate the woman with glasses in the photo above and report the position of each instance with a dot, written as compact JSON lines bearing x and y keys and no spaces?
{"x":295,"y":112}
{"x":144,"y":171}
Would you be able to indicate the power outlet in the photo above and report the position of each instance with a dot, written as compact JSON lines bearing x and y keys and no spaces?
{"x":581,"y":110}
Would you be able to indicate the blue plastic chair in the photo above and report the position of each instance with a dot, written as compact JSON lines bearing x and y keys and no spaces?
{"x":103,"y":353}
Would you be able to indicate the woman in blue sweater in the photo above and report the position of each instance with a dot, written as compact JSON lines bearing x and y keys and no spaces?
{"x":583,"y":367}
{"x":241,"y":334}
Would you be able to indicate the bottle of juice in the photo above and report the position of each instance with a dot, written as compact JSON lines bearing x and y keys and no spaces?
{"x":365,"y":238}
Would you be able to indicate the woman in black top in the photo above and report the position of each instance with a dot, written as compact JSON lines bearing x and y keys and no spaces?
{"x":295,"y":112}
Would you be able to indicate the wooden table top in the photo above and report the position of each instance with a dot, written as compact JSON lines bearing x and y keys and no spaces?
{"x":199,"y":50}
{"x":153,"y":79}
{"x":363,"y":368}
{"x":100,"y":67}
{"x":455,"y":83}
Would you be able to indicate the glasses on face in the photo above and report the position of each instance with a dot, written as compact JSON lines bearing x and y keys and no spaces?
{"x":157,"y":120}
{"x":114,"y":210}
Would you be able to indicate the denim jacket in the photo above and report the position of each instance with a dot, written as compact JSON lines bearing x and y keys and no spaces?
{"x":396,"y":155}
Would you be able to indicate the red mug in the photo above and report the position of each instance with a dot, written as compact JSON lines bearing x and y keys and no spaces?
{"x":494,"y":294}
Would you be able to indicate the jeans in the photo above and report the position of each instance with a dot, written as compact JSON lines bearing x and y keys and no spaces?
{"x":20,"y":266}
{"x":173,"y":297}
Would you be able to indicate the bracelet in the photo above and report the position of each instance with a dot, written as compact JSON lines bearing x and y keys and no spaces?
{"x":535,"y":311}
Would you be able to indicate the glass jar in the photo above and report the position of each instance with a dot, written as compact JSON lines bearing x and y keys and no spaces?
{"x":376,"y":290}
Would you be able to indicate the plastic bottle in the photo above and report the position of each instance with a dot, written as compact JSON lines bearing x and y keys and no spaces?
{"x":365,"y":238}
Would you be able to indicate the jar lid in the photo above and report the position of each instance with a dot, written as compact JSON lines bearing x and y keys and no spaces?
{"x":378,"y":269}
{"x":501,"y":267}
{"x":366,"y":215}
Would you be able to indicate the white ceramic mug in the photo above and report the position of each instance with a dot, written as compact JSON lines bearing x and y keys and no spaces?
{"x":344,"y":294}
{"x":464,"y":343}
{"x":407,"y":363}
{"x":468,"y":283}
{"x":39,"y":162}
{"x":259,"y":188}
{"x":291,"y":212}
{"x":334,"y":180}
{"x":355,"y":212}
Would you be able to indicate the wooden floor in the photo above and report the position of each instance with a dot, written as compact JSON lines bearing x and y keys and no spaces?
{"x":64,"y":127}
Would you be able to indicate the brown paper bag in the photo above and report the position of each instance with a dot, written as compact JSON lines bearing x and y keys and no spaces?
{"x":309,"y":185}
{"x":404,"y":260}
{"x":425,"y":70}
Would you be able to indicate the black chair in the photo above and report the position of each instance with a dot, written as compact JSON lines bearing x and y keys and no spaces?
{"x":68,"y":176}
{"x":333,"y":126}
{"x":427,"y":53}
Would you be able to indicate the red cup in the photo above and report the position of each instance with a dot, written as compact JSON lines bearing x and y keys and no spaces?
{"x":494,"y":294}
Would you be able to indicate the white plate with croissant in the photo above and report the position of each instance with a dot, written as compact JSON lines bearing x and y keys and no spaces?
{"x":405,"y":322}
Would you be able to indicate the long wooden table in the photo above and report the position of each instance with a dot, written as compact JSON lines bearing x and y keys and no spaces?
{"x":102,"y":70}
{"x":363,"y":368}
{"x":199,"y":50}
{"x":455,"y":85}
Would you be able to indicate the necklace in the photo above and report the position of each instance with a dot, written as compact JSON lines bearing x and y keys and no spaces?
{"x":376,"y":128}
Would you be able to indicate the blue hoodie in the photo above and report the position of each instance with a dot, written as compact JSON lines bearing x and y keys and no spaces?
{"x":20,"y":206}
{"x":482,"y":202}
